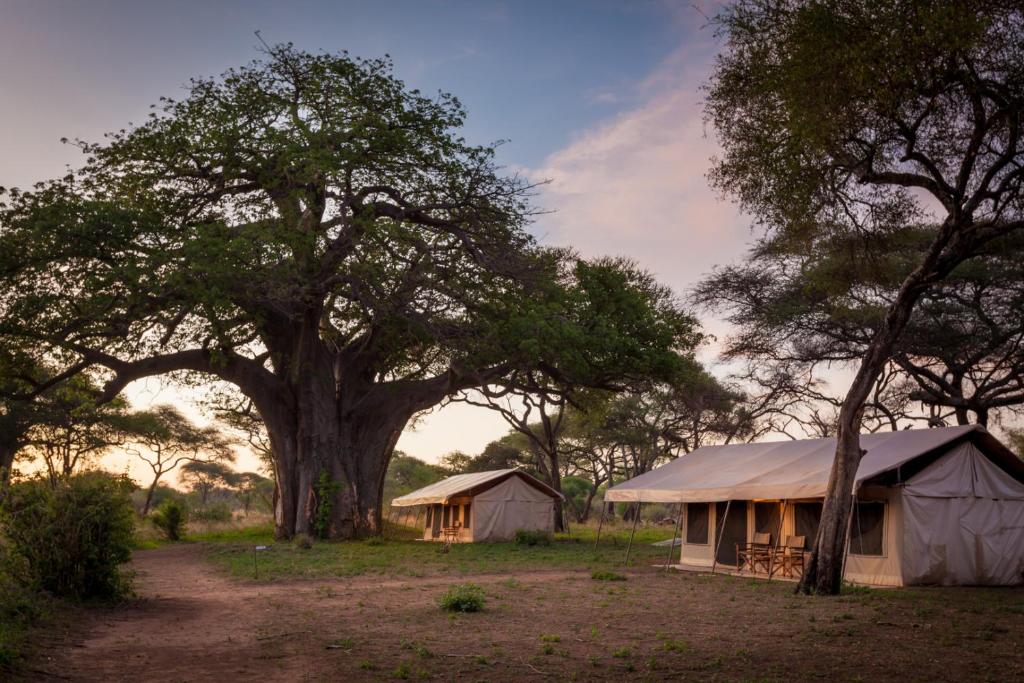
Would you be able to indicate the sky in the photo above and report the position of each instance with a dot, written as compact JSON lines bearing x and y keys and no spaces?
{"x":599,"y":98}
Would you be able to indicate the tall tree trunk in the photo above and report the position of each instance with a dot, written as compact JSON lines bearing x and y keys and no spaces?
{"x":7,"y":453}
{"x":824,"y":572}
{"x":149,"y":496}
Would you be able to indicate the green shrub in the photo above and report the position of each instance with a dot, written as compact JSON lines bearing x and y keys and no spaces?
{"x":218,"y":512}
{"x":528,"y":537}
{"x":20,"y":607}
{"x":463,"y":597}
{"x":170,"y":519}
{"x":602,"y":575}
{"x":71,"y":540}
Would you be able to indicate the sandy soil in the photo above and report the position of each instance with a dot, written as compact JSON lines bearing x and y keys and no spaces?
{"x":190,"y":623}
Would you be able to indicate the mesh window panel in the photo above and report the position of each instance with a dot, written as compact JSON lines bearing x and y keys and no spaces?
{"x":429,"y":509}
{"x":697,"y":523}
{"x":447,"y":516}
{"x":866,"y":532}
{"x":808,"y":516}
{"x":766,"y":519}
{"x":465,"y":516}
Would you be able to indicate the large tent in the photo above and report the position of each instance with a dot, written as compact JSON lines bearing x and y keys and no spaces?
{"x":487,"y":506}
{"x":932,"y":506}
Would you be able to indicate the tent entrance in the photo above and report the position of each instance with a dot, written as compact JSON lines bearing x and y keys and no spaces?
{"x":435,"y":526}
{"x":731,"y":529}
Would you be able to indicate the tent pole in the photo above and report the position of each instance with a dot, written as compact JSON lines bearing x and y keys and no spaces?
{"x":636,"y":518}
{"x":720,"y":532}
{"x":778,"y":537}
{"x":599,"y":525}
{"x":672,"y":543}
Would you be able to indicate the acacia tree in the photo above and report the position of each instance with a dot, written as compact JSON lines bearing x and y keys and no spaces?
{"x":205,"y":476}
{"x":616,"y":327}
{"x":306,"y":229}
{"x":841,"y":117}
{"x":169,"y":439}
{"x":961,"y":352}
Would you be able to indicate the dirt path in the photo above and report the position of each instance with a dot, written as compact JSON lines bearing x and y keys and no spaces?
{"x":192,"y":624}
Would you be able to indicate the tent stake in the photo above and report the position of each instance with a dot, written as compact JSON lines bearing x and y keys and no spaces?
{"x":672,"y":545}
{"x":778,"y":537}
{"x":599,"y":525}
{"x":721,"y":533}
{"x":636,"y":518}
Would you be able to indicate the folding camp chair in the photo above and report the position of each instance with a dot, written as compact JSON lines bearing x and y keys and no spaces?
{"x":789,"y":558}
{"x":451,"y":533}
{"x":757,"y":553}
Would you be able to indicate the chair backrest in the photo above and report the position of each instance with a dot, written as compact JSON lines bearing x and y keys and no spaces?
{"x":762,"y":538}
{"x":796,"y":542}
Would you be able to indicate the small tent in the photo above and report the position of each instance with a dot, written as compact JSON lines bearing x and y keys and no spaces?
{"x":485,"y":506}
{"x":932,"y":506}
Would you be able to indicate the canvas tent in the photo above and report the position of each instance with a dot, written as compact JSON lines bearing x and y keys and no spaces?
{"x":489,"y":506}
{"x":932,"y":506}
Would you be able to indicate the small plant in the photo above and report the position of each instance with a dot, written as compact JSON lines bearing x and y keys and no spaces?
{"x":403,"y":671}
{"x":463,"y":597}
{"x":528,"y":537}
{"x":676,"y":646}
{"x":170,"y":519}
{"x":548,"y":649}
{"x":367,"y":665}
{"x":603,"y":575}
{"x":550,"y":639}
{"x":621,"y":653}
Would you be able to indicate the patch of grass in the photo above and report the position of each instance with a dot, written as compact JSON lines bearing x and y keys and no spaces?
{"x":532,"y":538}
{"x":367,"y":665}
{"x":605,"y":575}
{"x":463,"y":597}
{"x":550,"y":639}
{"x":621,"y":653}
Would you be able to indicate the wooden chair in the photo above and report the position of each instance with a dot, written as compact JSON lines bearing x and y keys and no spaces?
{"x":789,"y":558}
{"x":450,"y":535}
{"x":757,"y":553}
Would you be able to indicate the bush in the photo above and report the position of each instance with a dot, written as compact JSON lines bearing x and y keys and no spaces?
{"x":218,"y":512}
{"x":463,"y":597}
{"x":527,"y":537}
{"x":71,"y":540}
{"x":607,"y":576}
{"x":20,"y":608}
{"x":170,"y":519}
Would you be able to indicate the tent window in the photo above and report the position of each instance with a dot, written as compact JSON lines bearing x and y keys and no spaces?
{"x":807,"y":517}
{"x":430,"y":509}
{"x":465,"y":516}
{"x":766,"y":518}
{"x":447,"y":516}
{"x":866,"y":531}
{"x":697,"y":523}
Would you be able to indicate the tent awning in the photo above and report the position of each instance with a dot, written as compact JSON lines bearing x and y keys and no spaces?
{"x":777,"y":470}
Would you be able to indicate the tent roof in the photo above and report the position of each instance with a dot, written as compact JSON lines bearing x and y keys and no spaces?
{"x":790,"y":469}
{"x":462,"y":484}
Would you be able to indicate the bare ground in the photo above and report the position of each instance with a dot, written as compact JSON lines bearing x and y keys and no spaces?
{"x":191,"y":623}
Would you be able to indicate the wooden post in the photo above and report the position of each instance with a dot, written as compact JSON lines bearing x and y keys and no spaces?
{"x":778,"y":537}
{"x":721,"y":532}
{"x":636,"y":518}
{"x":672,"y":544}
{"x":599,"y":525}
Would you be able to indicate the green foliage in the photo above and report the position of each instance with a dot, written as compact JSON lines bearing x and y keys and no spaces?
{"x":325,"y":490}
{"x":530,"y":537}
{"x":215,"y":512}
{"x":20,"y":608}
{"x":72,"y":540}
{"x":463,"y":597}
{"x":170,"y":518}
{"x":605,"y":575}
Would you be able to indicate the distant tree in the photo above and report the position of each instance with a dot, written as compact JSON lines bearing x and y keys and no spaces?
{"x":846,"y":118}
{"x":165,"y":439}
{"x":406,"y":474}
{"x":71,"y":429}
{"x":251,"y":488}
{"x":618,"y":327}
{"x":205,"y":476}
{"x":457,"y":462}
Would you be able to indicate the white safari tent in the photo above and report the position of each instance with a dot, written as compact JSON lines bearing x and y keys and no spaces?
{"x":485,"y":506}
{"x":932,"y":506}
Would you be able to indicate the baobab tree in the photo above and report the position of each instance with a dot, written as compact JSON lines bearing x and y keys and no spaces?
{"x":312,"y":232}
